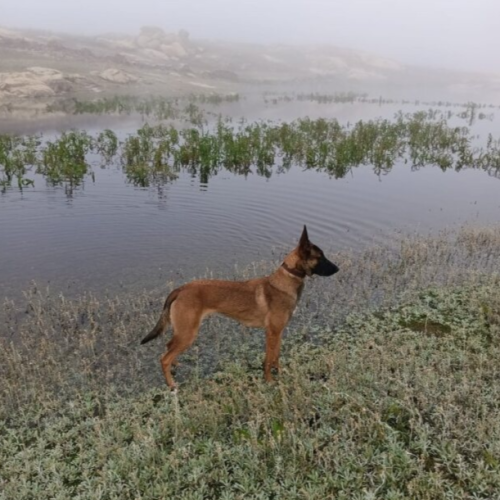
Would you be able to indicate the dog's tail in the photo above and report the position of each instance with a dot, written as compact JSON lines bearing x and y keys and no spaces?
{"x":164,"y":321}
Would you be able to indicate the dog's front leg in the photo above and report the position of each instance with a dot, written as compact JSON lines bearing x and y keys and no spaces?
{"x":273,"y":345}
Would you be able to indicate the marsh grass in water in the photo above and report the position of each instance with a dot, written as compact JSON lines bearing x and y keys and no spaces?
{"x":389,"y":389}
{"x":363,"y":98}
{"x":155,"y":154}
{"x":158,"y":107}
{"x":65,"y":159}
{"x":17,"y":156}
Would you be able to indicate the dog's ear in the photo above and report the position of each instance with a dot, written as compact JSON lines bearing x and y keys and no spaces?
{"x":304,"y":244}
{"x":304,"y":239}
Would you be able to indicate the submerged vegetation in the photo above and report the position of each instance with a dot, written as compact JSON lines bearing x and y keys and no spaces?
{"x":64,"y":160}
{"x":160,"y":108}
{"x":389,"y":389}
{"x":17,"y":156}
{"x":163,"y":108}
{"x":155,"y":153}
{"x":363,"y":98}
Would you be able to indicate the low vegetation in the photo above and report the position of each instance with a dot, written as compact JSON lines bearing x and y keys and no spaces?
{"x":468,"y":110}
{"x":160,"y":108}
{"x":154,"y":154}
{"x":389,"y":389}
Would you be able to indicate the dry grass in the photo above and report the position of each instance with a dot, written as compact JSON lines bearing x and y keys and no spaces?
{"x":390,"y":390}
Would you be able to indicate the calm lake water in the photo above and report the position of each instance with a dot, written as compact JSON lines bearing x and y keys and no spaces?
{"x":111,"y":235}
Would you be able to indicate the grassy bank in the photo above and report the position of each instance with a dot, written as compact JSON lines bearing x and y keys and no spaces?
{"x":389,"y":389}
{"x":399,"y":404}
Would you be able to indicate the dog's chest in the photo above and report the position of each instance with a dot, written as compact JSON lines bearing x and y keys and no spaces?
{"x":299,"y":293}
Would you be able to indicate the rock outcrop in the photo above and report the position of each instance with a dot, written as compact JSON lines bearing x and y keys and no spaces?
{"x":170,"y":44}
{"x":35,"y":82}
{"x":117,"y":76}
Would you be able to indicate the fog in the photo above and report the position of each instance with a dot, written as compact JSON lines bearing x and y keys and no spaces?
{"x":440,"y":33}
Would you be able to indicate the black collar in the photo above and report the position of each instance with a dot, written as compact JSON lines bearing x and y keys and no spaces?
{"x":296,"y":272}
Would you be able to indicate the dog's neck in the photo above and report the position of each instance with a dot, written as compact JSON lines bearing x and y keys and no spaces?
{"x":298,"y":273}
{"x":289,"y":280}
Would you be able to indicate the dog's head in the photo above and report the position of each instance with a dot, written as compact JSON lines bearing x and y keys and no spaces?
{"x":311,"y":259}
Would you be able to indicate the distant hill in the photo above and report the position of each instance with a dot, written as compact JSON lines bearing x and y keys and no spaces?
{"x":39,"y":65}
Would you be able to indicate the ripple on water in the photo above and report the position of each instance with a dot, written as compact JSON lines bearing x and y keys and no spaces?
{"x":109,"y":232}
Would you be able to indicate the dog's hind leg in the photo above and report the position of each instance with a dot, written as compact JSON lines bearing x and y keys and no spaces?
{"x":185,"y":323}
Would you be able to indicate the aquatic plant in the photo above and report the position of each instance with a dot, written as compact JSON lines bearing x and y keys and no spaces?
{"x":65,"y":159}
{"x":194,"y":114}
{"x":339,"y":97}
{"x":154,"y":153}
{"x":17,"y":156}
{"x":146,"y":161}
{"x":107,"y":144}
{"x":161,"y":108}
{"x":438,"y":109}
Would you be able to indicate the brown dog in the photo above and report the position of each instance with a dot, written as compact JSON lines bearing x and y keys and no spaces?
{"x":266,"y":302}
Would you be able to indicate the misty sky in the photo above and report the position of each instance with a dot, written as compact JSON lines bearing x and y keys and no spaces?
{"x":448,"y":33}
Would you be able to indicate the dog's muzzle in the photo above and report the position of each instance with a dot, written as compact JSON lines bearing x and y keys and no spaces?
{"x":325,"y":268}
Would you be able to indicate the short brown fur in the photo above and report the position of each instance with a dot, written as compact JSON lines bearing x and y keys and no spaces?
{"x":266,"y":302}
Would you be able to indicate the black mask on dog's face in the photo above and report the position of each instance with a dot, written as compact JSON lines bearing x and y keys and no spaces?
{"x":324,"y":267}
{"x":313,"y":258}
